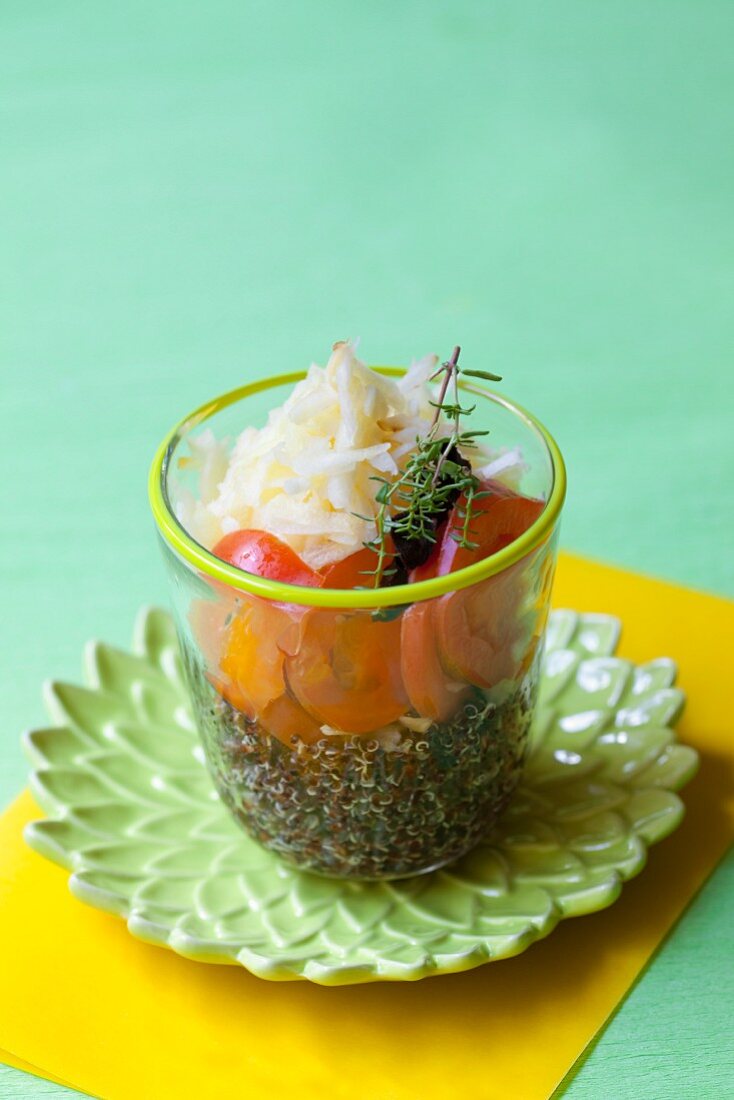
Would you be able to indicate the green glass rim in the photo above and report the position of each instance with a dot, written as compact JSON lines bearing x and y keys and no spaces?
{"x":176,"y":536}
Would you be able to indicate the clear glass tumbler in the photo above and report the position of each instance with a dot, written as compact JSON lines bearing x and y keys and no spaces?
{"x":365,"y":733}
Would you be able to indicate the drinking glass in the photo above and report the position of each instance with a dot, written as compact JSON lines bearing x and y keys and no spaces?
{"x":367,"y":733}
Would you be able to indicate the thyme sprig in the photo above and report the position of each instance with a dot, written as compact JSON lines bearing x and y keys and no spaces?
{"x":412,"y":507}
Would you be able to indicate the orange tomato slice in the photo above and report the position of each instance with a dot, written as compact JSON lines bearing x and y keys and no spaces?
{"x":285,"y":719}
{"x":249,"y":658}
{"x":243,"y":638}
{"x":346,"y":670}
{"x":208,"y":620}
{"x":252,"y":661}
{"x":232,"y":694}
{"x":252,"y":669}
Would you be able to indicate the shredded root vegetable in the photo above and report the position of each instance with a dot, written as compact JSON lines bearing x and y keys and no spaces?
{"x":308,"y":476}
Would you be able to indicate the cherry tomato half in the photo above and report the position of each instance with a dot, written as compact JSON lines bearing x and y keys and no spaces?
{"x":346,"y":670}
{"x":266,"y":556}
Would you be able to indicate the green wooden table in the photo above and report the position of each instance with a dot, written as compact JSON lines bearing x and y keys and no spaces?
{"x":196,"y":194}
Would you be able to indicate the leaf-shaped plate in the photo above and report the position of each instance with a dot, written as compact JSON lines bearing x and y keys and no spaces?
{"x":133,"y":815}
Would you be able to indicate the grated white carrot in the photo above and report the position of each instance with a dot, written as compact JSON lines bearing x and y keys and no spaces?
{"x":310,"y":475}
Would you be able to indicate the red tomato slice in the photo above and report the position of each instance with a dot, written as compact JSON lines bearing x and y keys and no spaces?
{"x":346,"y":670}
{"x":266,"y":556}
{"x":475,"y":630}
{"x":432,"y":693}
{"x":351,"y":572}
{"x":497,"y":521}
{"x":355,"y":571}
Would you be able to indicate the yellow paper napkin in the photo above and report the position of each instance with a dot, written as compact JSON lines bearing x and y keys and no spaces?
{"x":85,"y":1003}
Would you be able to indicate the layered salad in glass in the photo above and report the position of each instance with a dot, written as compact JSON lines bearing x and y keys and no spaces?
{"x":361,"y":584}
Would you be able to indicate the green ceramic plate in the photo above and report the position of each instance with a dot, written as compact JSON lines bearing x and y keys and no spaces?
{"x":133,"y":815}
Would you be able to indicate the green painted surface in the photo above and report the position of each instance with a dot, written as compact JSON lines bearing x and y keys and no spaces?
{"x":193,"y":195}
